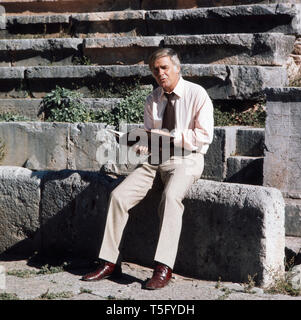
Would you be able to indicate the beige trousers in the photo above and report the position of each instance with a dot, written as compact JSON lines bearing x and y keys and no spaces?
{"x":177,"y":174}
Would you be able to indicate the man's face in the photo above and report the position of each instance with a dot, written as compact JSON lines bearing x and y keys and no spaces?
{"x":166,"y":73}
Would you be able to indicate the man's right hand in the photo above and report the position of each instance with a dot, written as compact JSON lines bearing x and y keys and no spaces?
{"x":143,"y":150}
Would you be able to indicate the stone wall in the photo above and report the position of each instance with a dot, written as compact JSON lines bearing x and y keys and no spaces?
{"x":230,"y":231}
{"x":283,"y":150}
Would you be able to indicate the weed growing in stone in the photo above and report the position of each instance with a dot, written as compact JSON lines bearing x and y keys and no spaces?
{"x":11,"y":117}
{"x":27,"y":273}
{"x":8,"y":296}
{"x":253,"y":115}
{"x":58,"y":295}
{"x":64,"y":105}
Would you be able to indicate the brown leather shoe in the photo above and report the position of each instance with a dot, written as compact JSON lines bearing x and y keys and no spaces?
{"x":161,"y":276}
{"x":107,"y":270}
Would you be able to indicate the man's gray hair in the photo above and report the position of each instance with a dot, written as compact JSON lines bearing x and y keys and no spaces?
{"x":164,"y":52}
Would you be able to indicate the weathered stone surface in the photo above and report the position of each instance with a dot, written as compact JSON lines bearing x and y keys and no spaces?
{"x":222,"y":146}
{"x":293,"y":217}
{"x":121,"y":50}
{"x":292,"y":250}
{"x":282,"y":17}
{"x":35,"y":145}
{"x":19,"y":210}
{"x":26,"y":107}
{"x":250,"y":142}
{"x":73,"y":212}
{"x":57,"y":146}
{"x":186,"y":4}
{"x":283,"y":141}
{"x":38,"y":19}
{"x":51,"y":6}
{"x":229,"y":231}
{"x":221,"y":81}
{"x":31,"y":52}
{"x":32,"y":108}
{"x":2,"y":18}
{"x":90,"y":146}
{"x":241,"y":49}
{"x":242,"y":169}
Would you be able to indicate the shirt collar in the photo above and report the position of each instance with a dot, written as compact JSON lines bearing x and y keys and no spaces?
{"x":178,"y":90}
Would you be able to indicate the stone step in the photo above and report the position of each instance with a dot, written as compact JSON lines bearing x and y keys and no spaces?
{"x":80,"y":144}
{"x":52,"y":6}
{"x":284,"y":18}
{"x":243,"y":169}
{"x":34,"y":52}
{"x":242,"y":49}
{"x":221,"y":81}
{"x":31,"y":108}
{"x":55,"y":6}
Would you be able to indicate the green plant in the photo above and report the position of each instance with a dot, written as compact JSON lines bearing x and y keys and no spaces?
{"x":129,"y":110}
{"x":10,"y":117}
{"x":27,"y":273}
{"x":81,"y":60}
{"x":22,"y":273}
{"x":252,"y":116}
{"x":59,"y":295}
{"x":8,"y":296}
{"x":64,"y":105}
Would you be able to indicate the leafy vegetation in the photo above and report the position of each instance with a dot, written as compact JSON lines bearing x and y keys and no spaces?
{"x":10,"y":117}
{"x":64,"y":105}
{"x":252,"y":116}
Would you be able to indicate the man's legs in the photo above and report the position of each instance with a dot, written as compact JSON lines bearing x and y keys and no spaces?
{"x":178,"y":174}
{"x":124,"y":197}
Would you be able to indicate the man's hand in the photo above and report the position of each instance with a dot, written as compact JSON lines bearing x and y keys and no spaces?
{"x":143,"y":150}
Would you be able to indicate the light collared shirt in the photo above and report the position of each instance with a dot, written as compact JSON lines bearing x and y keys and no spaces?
{"x":193,"y":112}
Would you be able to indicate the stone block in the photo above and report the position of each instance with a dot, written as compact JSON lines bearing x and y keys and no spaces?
{"x":233,"y":49}
{"x":35,"y":145}
{"x":27,"y":107}
{"x":253,"y":18}
{"x":230,"y":231}
{"x":55,"y":6}
{"x":222,"y":146}
{"x":2,"y":18}
{"x":19,"y":210}
{"x":238,"y":49}
{"x":73,"y":213}
{"x":121,"y":50}
{"x":187,"y":4}
{"x":221,"y":81}
{"x":32,"y":108}
{"x":283,"y":141}
{"x":293,"y":217}
{"x":33,"y":52}
{"x":250,"y":142}
{"x":247,"y":170}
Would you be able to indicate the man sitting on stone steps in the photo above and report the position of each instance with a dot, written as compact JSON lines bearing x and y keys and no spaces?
{"x":186,"y":111}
